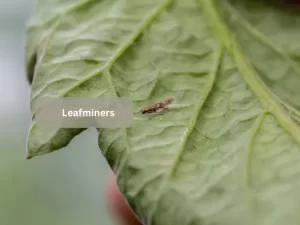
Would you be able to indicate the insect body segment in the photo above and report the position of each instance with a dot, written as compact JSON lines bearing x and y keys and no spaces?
{"x":157,"y":106}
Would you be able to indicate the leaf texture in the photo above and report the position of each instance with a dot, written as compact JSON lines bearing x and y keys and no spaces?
{"x":227,"y":152}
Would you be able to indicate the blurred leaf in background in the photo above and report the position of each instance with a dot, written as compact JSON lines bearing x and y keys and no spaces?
{"x":65,"y":188}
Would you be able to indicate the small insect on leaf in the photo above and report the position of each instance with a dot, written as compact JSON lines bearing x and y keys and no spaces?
{"x":157,"y":106}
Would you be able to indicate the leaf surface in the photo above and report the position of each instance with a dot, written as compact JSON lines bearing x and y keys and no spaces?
{"x":227,"y":151}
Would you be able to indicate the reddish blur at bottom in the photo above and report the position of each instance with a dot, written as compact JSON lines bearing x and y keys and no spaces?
{"x":118,"y":205}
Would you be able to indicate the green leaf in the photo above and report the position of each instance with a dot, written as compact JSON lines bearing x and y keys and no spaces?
{"x":227,"y":152}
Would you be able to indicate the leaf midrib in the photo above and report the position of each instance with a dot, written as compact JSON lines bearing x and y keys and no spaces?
{"x":263,"y":39}
{"x":247,"y":71}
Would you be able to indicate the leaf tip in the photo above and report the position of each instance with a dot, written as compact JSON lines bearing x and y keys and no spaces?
{"x":28,"y":154}
{"x":29,"y":157}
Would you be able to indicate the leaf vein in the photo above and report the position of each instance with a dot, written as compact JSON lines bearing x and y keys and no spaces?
{"x":248,"y":72}
{"x":190,"y":127}
{"x":145,"y":22}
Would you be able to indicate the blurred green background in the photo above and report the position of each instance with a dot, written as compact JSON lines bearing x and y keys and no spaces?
{"x":63,"y":188}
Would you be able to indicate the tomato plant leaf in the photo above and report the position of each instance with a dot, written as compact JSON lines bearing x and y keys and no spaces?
{"x":227,"y":152}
